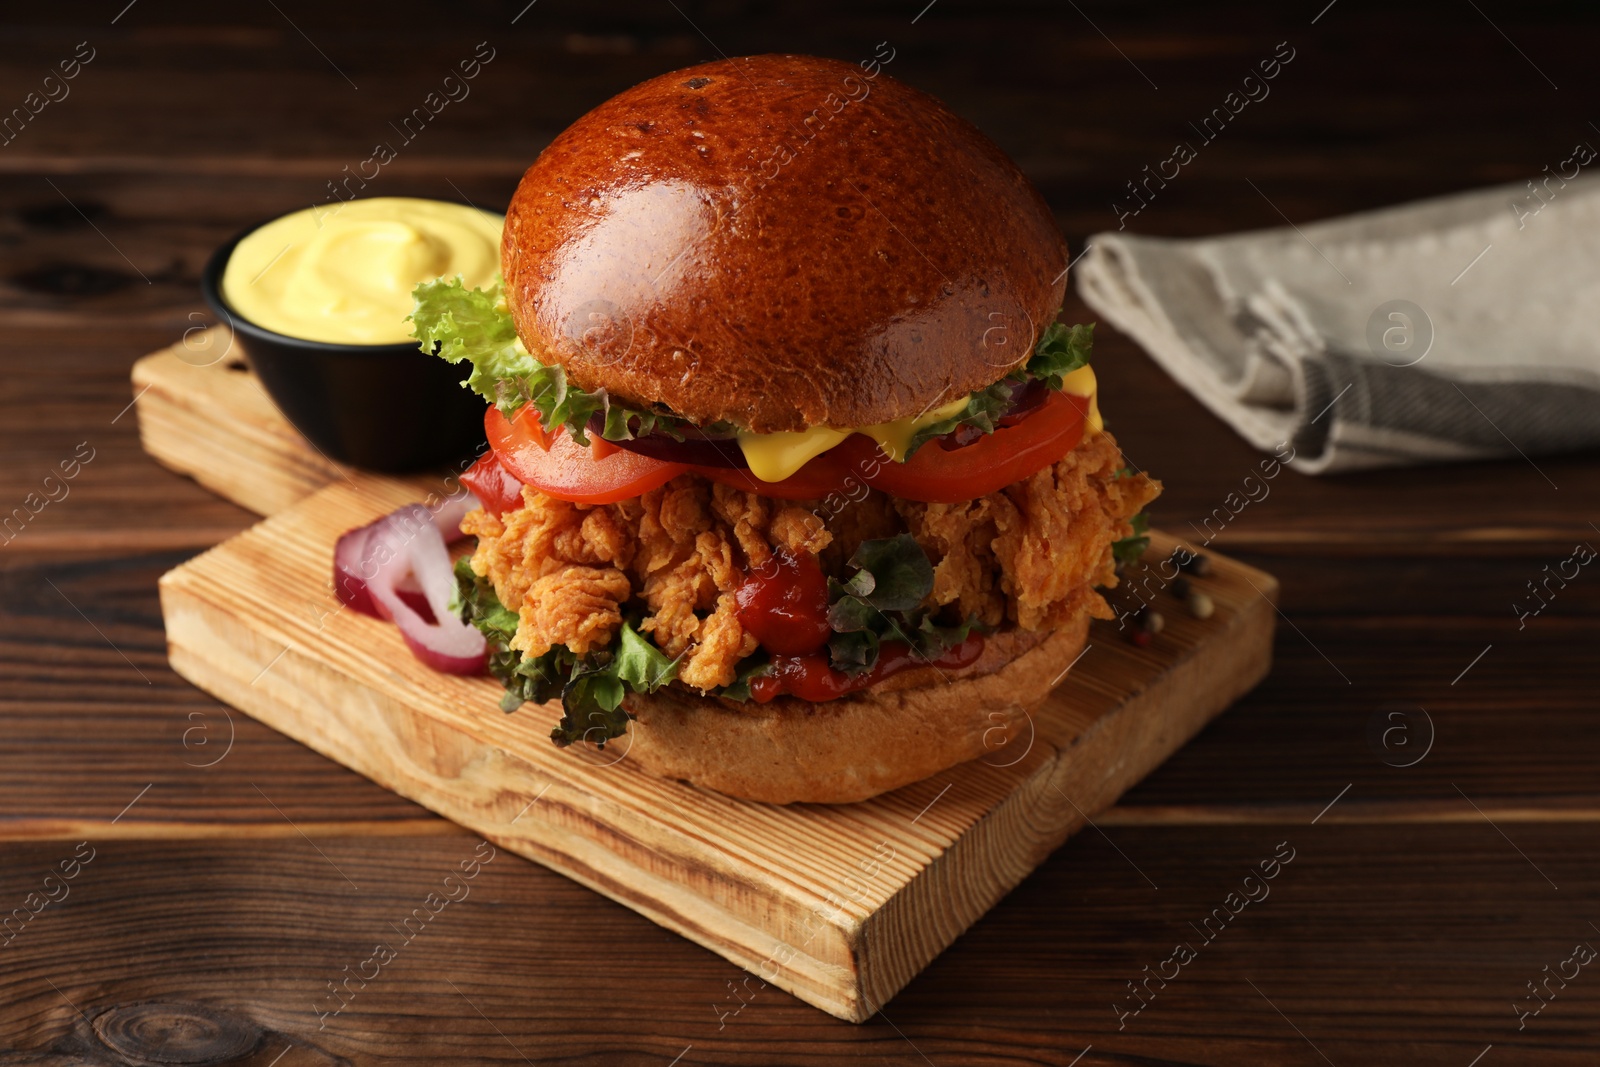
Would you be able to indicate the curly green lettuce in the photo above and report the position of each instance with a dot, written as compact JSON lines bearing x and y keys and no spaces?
{"x":1061,"y":350}
{"x":591,"y":687}
{"x":474,"y":326}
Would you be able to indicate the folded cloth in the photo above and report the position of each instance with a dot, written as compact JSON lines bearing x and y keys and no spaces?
{"x":1463,"y":327}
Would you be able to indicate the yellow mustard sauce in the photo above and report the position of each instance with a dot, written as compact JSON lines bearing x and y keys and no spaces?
{"x":344,"y":273}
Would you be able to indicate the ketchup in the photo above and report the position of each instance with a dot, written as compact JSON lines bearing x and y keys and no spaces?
{"x":496,"y":489}
{"x":810,"y":677}
{"x":785,"y":604}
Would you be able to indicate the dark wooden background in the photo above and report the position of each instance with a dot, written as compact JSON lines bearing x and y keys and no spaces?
{"x":228,"y":896}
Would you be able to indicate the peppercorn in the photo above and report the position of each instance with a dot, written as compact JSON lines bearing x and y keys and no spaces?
{"x":1196,"y":564}
{"x":1201,"y":606}
{"x":1180,"y":587}
{"x":1146,"y":624}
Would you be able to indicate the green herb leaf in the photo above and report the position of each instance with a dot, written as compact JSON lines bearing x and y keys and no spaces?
{"x":591,"y":687}
{"x":901,"y":575}
{"x":932,"y":640}
{"x":853,"y":652}
{"x":860,"y":585}
{"x":882,"y":602}
{"x":1131,"y":548}
{"x":892,"y":575}
{"x":848,"y":613}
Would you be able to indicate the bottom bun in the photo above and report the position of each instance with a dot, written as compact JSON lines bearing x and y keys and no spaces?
{"x":793,"y":751}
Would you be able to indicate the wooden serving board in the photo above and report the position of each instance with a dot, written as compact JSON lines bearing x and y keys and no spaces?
{"x":839,"y":905}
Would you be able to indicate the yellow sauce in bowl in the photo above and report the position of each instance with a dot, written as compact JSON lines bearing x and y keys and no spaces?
{"x":344,"y":274}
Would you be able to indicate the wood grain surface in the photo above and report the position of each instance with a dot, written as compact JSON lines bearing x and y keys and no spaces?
{"x":1419,"y":905}
{"x":203,"y":412}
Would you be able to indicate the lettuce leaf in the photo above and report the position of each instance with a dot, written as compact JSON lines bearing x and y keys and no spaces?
{"x":983,"y":411}
{"x":753,"y":667}
{"x":591,"y":687}
{"x":640,"y":665}
{"x":1131,"y":548}
{"x":591,"y":701}
{"x":882,"y":601}
{"x":892,"y":574}
{"x":473,"y":325}
{"x":1061,"y":350}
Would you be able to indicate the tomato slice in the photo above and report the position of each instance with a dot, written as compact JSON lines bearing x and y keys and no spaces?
{"x":830,"y":472}
{"x":558,"y":465}
{"x":991,"y":463}
{"x":495,"y":489}
{"x":932,"y":475}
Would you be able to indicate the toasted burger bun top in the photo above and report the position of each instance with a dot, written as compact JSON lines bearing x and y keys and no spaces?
{"x":780,"y":242}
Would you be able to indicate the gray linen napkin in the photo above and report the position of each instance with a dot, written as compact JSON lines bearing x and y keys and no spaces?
{"x":1464,"y":327}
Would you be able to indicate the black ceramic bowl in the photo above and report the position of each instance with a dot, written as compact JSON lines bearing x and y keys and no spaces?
{"x":391,"y":408}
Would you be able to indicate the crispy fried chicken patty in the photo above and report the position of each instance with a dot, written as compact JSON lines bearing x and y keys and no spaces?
{"x":1029,"y":556}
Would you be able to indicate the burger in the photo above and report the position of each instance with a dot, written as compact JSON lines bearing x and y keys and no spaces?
{"x":796,"y":487}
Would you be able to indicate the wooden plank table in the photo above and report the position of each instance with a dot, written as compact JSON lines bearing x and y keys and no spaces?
{"x":222,"y":876}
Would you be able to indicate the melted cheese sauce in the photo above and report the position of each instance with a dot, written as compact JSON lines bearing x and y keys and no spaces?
{"x":775,"y":456}
{"x":1081,"y":382}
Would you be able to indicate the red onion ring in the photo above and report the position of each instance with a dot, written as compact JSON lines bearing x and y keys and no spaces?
{"x":699,"y":449}
{"x":382,"y":568}
{"x":1025,"y":398}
